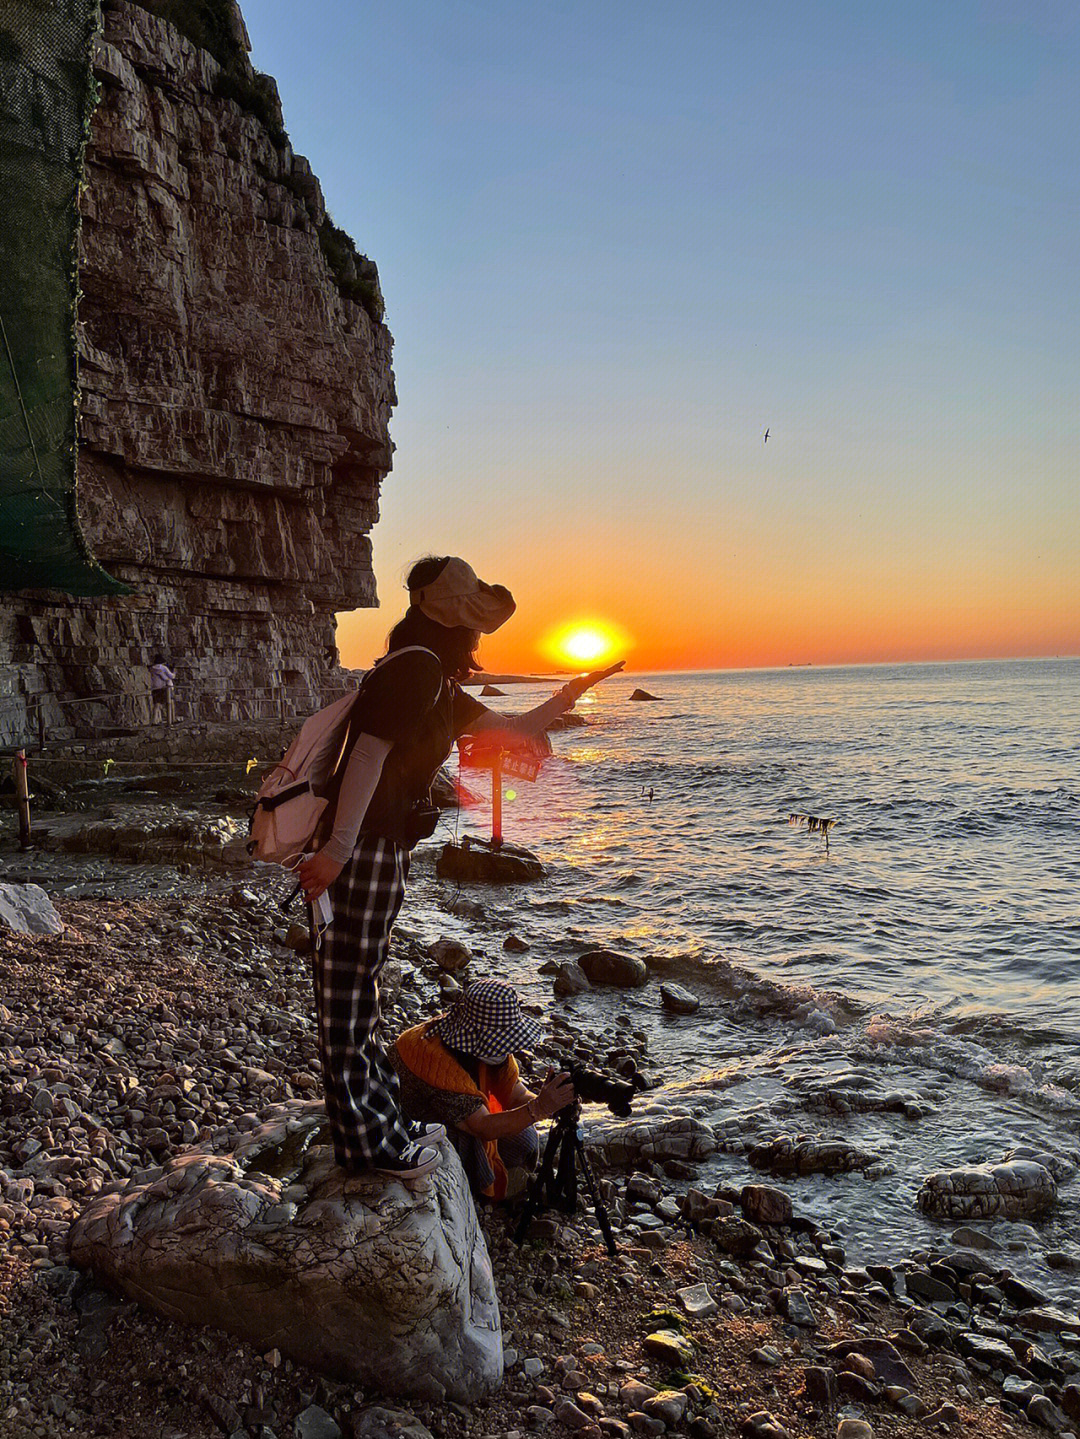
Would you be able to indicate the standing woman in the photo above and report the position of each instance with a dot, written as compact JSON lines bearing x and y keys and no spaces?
{"x":409,"y":712}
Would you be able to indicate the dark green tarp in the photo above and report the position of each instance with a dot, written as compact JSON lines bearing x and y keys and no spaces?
{"x":47,"y":94}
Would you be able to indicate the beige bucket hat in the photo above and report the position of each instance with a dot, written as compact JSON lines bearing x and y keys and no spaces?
{"x":457,"y":598}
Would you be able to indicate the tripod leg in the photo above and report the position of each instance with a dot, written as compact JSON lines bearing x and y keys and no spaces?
{"x":565,"y":1195}
{"x":594,"y":1194}
{"x":540,"y":1184}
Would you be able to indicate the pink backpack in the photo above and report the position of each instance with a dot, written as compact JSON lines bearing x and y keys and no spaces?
{"x":292,"y":799}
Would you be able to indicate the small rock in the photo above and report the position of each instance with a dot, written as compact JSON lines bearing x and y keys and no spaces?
{"x":633,"y":1394}
{"x":1020,"y":1391}
{"x":679,"y":1000}
{"x":514,"y":944}
{"x":669,"y":1406}
{"x":766,"y":1356}
{"x":670,"y":1346}
{"x":796,"y":1308}
{"x":570,"y":979}
{"x":821,"y":1387}
{"x":642,"y":1423}
{"x":27,"y":909}
{"x":450,"y":955}
{"x":315,"y":1423}
{"x":377,"y":1421}
{"x":968,"y":1238}
{"x":854,"y":1429}
{"x":697,"y":1301}
{"x":763,"y":1425}
{"x":735,"y":1236}
{"x":762,"y":1204}
{"x":1043,"y":1411}
{"x":1048,"y":1319}
{"x":944,"y":1414}
{"x":570,"y":1416}
{"x":906,"y":1402}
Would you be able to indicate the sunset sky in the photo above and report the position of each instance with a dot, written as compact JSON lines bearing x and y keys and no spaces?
{"x":618,"y":242}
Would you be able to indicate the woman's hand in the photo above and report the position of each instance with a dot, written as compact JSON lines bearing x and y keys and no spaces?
{"x":556,"y":1092}
{"x":318,"y":874}
{"x":576,"y":687}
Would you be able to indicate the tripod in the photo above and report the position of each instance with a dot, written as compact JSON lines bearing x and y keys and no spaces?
{"x":554,"y":1185}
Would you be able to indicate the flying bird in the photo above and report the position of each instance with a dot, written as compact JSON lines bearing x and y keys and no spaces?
{"x":766,"y":439}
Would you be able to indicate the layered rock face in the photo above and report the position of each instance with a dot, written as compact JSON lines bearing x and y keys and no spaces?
{"x":234,"y":409}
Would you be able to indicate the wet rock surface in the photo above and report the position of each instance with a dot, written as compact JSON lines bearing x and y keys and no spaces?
{"x":604,"y":966}
{"x":1013,"y":1190}
{"x":475,"y":861}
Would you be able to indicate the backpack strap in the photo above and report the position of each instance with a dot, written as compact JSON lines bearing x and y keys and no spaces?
{"x":332,"y":787}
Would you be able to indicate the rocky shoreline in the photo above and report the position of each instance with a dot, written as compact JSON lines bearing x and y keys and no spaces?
{"x":149,"y":1025}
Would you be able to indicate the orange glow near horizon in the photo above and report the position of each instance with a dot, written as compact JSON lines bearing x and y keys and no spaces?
{"x":763,"y":609}
{"x":585,"y":643}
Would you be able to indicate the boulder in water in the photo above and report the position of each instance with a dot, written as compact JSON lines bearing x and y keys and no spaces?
{"x":1014,"y":1190}
{"x":475,"y":861}
{"x":643,"y":695}
{"x":570,"y":979}
{"x":450,"y":955}
{"x":679,"y":1000}
{"x":604,"y":966}
{"x":491,"y":690}
{"x":658,"y":1135}
{"x":785,"y":1155}
{"x":365,"y":1278}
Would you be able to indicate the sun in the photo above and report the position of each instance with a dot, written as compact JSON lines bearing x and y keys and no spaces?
{"x":585,"y":643}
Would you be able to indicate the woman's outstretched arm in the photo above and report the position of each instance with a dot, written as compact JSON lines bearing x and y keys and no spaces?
{"x":535,"y":721}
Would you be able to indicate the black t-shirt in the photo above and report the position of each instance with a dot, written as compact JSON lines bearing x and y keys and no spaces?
{"x":406,"y":701}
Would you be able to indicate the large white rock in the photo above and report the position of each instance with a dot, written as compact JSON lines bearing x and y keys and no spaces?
{"x":367,"y":1279}
{"x":27,"y":909}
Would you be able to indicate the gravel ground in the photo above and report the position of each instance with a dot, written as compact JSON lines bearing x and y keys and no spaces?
{"x":147,"y":1025}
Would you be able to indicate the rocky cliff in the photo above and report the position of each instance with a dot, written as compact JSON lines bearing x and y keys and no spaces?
{"x":235,"y":395}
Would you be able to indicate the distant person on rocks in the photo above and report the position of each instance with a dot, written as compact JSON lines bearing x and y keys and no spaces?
{"x":412,"y":710}
{"x":460,"y":1070}
{"x":162,"y":680}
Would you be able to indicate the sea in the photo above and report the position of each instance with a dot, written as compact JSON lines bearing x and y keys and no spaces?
{"x":926,"y":944}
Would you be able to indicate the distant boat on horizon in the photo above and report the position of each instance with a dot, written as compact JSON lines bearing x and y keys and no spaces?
{"x":800,"y":665}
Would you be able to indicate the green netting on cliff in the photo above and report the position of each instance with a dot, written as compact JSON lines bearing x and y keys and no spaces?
{"x":46,"y":98}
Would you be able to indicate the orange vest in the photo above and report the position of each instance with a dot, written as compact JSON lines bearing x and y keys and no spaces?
{"x":429,"y":1059}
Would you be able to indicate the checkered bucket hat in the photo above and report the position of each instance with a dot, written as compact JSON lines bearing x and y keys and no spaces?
{"x":487,"y":1022}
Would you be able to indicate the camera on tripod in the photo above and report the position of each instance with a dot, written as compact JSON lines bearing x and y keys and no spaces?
{"x":555,"y":1181}
{"x":593,"y":1087}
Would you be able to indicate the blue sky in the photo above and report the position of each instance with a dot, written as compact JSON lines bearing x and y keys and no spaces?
{"x":617,"y":242}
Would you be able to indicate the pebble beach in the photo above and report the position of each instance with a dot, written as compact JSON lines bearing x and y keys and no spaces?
{"x":149,"y":1025}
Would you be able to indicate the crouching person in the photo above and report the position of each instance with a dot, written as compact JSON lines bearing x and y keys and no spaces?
{"x":459,"y":1070}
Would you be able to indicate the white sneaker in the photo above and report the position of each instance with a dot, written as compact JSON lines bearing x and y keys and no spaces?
{"x":413,"y":1161}
{"x":423,"y":1132}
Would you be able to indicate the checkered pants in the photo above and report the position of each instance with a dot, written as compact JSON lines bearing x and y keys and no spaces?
{"x":360,"y":1085}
